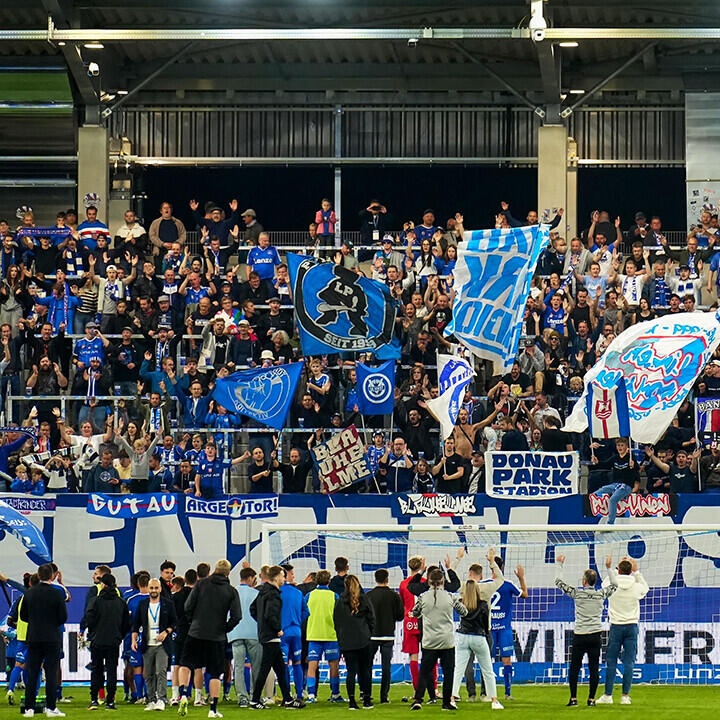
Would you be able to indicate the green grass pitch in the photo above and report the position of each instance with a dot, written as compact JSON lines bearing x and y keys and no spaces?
{"x":657,"y":701}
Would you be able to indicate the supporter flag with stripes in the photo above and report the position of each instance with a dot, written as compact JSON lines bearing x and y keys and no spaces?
{"x":376,"y":388}
{"x":454,"y":375}
{"x":263,"y":394}
{"x":493,"y":275}
{"x":607,"y":410}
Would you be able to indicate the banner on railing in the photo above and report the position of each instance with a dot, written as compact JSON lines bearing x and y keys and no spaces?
{"x":635,"y":505}
{"x":707,"y":420}
{"x":235,"y":507}
{"x":437,"y":505}
{"x":531,"y":475}
{"x":341,"y":461}
{"x":132,"y":506}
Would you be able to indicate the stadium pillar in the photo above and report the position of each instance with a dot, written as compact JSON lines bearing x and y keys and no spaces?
{"x":555,"y":189}
{"x":93,"y":169}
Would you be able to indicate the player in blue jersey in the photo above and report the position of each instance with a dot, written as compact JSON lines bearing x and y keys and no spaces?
{"x":501,"y":614}
{"x":295,"y":613}
{"x":134,"y":658}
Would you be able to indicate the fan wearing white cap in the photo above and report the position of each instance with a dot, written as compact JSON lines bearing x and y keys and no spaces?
{"x":110,"y":290}
{"x":267,"y":358}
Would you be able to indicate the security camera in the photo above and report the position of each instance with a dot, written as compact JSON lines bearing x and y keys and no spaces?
{"x":412,"y":42}
{"x":538,"y":34}
{"x":93,"y":69}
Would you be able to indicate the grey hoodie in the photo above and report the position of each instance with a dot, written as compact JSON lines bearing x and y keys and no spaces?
{"x":589,"y":602}
{"x":436,"y":606}
{"x":139,"y":463}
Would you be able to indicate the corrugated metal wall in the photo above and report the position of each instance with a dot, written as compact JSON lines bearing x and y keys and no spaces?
{"x":651,"y":135}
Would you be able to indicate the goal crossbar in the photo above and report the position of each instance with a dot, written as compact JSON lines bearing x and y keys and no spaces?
{"x":356,"y":529}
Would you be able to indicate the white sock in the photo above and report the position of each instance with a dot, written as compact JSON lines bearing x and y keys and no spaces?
{"x":175,"y":692}
{"x":198,"y":693}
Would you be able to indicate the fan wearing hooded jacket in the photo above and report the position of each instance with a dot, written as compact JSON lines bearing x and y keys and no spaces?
{"x":624,"y":610}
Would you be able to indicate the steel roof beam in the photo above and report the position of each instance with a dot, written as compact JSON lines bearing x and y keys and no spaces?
{"x":642,"y":32}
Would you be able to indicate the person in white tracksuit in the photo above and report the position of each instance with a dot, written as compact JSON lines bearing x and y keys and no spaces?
{"x":624,"y":610}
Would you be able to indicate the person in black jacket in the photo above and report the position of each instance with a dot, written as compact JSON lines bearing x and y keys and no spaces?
{"x":266,"y":608}
{"x":354,"y":619}
{"x":213,"y":609}
{"x":389,"y":610}
{"x":43,"y":609}
{"x":108,"y":621}
{"x":154,"y":622}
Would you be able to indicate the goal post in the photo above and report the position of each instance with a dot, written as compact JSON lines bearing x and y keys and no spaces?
{"x":679,"y":633}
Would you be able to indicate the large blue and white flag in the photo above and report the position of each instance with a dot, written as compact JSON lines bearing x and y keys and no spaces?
{"x":492,"y":277}
{"x":659,"y":360}
{"x":263,"y":394}
{"x":338,"y":310}
{"x":376,"y":388}
{"x":607,"y":410}
{"x":25,"y":531}
{"x":454,"y":375}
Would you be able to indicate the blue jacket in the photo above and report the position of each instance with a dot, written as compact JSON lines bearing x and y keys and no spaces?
{"x":190,"y":419}
{"x":155,"y":377}
{"x":57,"y":314}
{"x":295,"y":610}
{"x":27,"y":486}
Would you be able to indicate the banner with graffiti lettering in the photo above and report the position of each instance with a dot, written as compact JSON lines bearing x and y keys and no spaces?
{"x":707,"y":420}
{"x":492,"y":276}
{"x":659,"y":360}
{"x":437,"y":505}
{"x":341,"y":461}
{"x":635,"y":505}
{"x":531,"y":475}
{"x":339,"y":310}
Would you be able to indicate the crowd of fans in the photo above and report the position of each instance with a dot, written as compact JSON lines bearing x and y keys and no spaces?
{"x":135,"y":325}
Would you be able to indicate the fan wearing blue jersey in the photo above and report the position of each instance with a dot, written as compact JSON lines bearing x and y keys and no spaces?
{"x":501,"y":615}
{"x":134,"y":658}
{"x":295,"y":613}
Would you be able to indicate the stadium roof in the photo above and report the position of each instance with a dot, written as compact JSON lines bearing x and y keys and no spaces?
{"x":462,"y":52}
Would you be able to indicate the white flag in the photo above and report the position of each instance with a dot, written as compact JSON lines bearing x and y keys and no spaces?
{"x":659,"y":360}
{"x":493,"y":275}
{"x":454,"y":374}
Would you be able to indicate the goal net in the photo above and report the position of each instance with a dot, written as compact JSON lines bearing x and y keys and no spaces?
{"x":679,"y":632}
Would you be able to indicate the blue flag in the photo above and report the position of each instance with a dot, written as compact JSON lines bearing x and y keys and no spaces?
{"x":338,"y":310}
{"x":263,"y":394}
{"x":25,"y":531}
{"x":492,"y":276}
{"x":376,"y":388}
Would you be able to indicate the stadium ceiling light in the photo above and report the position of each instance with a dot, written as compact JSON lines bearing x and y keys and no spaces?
{"x":61,"y":43}
{"x":569,"y":44}
{"x":122,"y":92}
{"x":94,"y":46}
{"x":576,"y":92}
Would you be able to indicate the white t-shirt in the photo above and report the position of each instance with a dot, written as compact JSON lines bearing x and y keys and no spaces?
{"x":632,"y":288}
{"x":89,"y":450}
